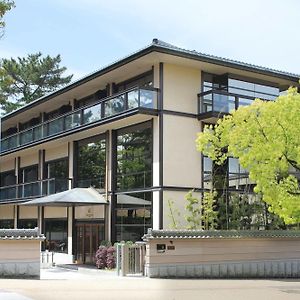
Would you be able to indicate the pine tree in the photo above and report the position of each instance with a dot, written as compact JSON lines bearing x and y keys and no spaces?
{"x":23,"y":80}
{"x":5,"y":6}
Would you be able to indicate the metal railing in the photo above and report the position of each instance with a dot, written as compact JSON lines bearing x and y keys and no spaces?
{"x":221,"y":101}
{"x":33,"y":189}
{"x":103,"y":109}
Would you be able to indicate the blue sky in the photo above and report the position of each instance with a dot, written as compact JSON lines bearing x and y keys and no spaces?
{"x":90,"y":34}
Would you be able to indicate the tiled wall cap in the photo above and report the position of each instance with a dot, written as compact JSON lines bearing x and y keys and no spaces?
{"x":21,"y":234}
{"x":197,"y":234}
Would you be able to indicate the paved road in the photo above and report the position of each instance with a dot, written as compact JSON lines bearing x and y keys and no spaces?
{"x":59,"y":284}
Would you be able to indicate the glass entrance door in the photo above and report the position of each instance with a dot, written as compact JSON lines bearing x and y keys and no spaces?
{"x":88,"y":239}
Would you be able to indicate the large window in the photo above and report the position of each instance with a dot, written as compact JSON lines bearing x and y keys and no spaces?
{"x":56,"y":232}
{"x":229,"y":92}
{"x":133,"y":215}
{"x":134,"y":157}
{"x":133,"y":172}
{"x":7,"y":224}
{"x":57,"y":175}
{"x":143,"y":80}
{"x":7,"y":178}
{"x":238,"y":206}
{"x":7,"y":182}
{"x":91,"y":162}
{"x":27,"y":223}
{"x":251,"y":89}
{"x":29,"y":180}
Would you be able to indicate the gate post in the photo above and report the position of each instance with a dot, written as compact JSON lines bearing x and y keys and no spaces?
{"x":124,"y":260}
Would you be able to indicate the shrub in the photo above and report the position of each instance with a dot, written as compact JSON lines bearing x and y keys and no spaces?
{"x":101,"y":257}
{"x":111,"y":258}
{"x":105,"y":257}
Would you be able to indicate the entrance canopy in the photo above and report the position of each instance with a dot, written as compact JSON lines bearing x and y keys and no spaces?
{"x":74,"y":197}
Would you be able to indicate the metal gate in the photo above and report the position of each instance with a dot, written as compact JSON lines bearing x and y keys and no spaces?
{"x":131,"y":259}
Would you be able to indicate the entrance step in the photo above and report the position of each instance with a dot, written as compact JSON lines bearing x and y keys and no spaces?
{"x":68,"y":266}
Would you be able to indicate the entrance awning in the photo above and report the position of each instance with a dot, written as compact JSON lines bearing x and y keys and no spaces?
{"x":74,"y":197}
{"x":130,"y":200}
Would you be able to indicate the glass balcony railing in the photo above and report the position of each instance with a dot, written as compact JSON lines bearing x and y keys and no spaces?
{"x":33,"y":189}
{"x":109,"y":107}
{"x":221,"y":101}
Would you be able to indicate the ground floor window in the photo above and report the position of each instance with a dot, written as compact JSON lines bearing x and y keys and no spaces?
{"x":7,"y":224}
{"x":27,"y":223}
{"x":133,"y":215}
{"x":56,"y":232}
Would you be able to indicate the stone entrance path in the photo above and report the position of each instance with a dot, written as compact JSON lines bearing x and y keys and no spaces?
{"x":61,"y":284}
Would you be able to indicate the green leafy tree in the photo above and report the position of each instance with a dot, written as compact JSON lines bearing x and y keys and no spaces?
{"x":5,"y":6}
{"x":265,"y":138}
{"x":174,"y":215}
{"x":193,"y":211}
{"x":209,"y":215}
{"x":201,"y":213}
{"x":23,"y":80}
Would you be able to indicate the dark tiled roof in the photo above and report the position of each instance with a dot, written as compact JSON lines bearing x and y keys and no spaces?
{"x":223,"y":59}
{"x":223,"y":234}
{"x":21,"y":234}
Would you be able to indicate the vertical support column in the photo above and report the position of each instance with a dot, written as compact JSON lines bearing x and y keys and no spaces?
{"x":107,"y":214}
{"x":41,"y":171}
{"x":39,"y":220}
{"x":16,"y":216}
{"x":71,"y":210}
{"x":161,"y":149}
{"x":155,"y":178}
{"x":74,"y":247}
{"x":17,"y":174}
{"x":71,"y":164}
{"x":108,"y":90}
{"x":113,"y":198}
{"x":70,"y":230}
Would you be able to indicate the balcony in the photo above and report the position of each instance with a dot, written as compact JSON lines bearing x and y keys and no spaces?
{"x":33,"y":189}
{"x":215,"y":104}
{"x":108,"y":108}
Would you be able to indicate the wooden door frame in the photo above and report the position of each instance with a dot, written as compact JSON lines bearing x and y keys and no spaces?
{"x":84,"y":224}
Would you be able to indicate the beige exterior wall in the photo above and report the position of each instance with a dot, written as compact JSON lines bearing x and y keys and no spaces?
{"x":28,"y":212}
{"x":156,"y":152}
{"x":181,"y":86}
{"x":216,"y":250}
{"x":7,"y":165}
{"x":58,"y":152}
{"x":19,"y":250}
{"x":30,"y":159}
{"x":179,"y":203}
{"x":6,"y":212}
{"x":156,"y":75}
{"x":55,"y":212}
{"x":182,"y":163}
{"x":90,"y":212}
{"x":177,"y":198}
{"x":20,"y":258}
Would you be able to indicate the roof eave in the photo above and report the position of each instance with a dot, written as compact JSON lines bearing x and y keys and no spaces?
{"x":152,"y":48}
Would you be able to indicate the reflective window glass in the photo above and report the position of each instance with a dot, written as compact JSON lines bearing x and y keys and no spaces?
{"x":133,"y":215}
{"x":56,"y":233}
{"x":91,"y":164}
{"x":134,"y":157}
{"x":114,"y":106}
{"x":92,"y":114}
